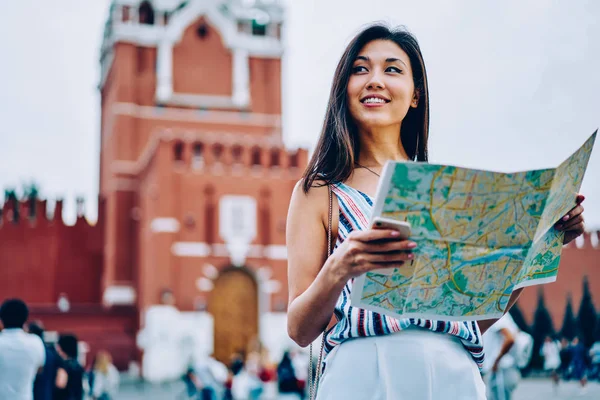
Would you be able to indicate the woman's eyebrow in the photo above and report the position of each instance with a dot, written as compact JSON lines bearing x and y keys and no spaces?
{"x":390,"y":60}
{"x":387,"y":60}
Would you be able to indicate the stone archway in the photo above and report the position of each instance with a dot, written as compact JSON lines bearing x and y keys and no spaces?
{"x":234,"y":307}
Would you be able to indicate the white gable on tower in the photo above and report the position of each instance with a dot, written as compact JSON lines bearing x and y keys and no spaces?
{"x":249,"y":28}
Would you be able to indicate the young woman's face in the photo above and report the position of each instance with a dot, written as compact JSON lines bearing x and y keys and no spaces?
{"x":381,"y":87}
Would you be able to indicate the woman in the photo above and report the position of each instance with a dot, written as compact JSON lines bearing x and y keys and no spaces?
{"x":378,"y":111}
{"x":69,"y":377}
{"x":106,"y":377}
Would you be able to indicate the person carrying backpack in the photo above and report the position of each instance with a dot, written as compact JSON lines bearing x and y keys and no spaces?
{"x":287,"y":381}
{"x":506,"y":348}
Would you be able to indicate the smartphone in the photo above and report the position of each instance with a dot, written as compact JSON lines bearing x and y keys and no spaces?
{"x":386,"y":223}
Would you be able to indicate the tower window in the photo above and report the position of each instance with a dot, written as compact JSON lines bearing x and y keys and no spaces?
{"x":125,"y":13}
{"x":256,"y":156}
{"x":217,"y":152}
{"x":258,"y":29}
{"x":146,"y":13}
{"x":236,"y":152}
{"x":294,"y":160}
{"x":274,"y":157}
{"x":198,"y":156}
{"x":178,"y":151}
{"x":244,"y":26}
{"x":202,"y":31}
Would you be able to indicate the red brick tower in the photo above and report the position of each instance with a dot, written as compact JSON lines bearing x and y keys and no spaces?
{"x":192,"y":158}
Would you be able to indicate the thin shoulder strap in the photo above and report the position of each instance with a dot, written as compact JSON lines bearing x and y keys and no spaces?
{"x":330,"y":220}
{"x":313,"y":382}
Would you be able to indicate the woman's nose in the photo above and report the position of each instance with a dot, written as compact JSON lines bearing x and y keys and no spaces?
{"x":375,"y":82}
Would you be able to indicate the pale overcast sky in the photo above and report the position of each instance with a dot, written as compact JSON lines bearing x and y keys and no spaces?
{"x":513,"y":84}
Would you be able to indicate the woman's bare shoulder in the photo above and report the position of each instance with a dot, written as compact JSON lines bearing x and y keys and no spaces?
{"x":314,"y":202}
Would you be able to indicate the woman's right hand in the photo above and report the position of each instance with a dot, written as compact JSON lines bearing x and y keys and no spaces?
{"x":371,"y":249}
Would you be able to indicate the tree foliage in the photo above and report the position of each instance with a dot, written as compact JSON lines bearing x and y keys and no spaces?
{"x":542,"y":327}
{"x":569,"y":325}
{"x":517,"y":316}
{"x":29,"y":192}
{"x":586,"y":317}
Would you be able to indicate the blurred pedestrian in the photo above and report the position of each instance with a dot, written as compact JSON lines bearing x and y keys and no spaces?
{"x":579,"y":363}
{"x":105,"y":383}
{"x":208,"y":377}
{"x":500,"y":366}
{"x":247,"y":385}
{"x":300,"y":362}
{"x":43,"y":386}
{"x":69,"y":378}
{"x":287,"y":382}
{"x":565,"y":359}
{"x":22,"y":354}
{"x":595,"y":361}
{"x":551,"y":352}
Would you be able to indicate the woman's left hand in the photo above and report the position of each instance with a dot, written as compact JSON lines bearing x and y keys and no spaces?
{"x":572,"y":223}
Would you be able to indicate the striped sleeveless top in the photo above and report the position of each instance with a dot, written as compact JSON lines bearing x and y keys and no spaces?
{"x":354,"y":213}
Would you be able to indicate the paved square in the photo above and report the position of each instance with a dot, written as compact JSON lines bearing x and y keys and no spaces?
{"x":529,"y":389}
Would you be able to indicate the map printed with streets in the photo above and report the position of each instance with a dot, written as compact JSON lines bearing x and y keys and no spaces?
{"x":480,"y":235}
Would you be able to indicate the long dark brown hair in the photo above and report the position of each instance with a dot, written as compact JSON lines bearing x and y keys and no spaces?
{"x":338,"y":147}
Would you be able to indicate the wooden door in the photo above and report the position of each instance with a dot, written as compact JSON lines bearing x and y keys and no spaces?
{"x":234,"y":307}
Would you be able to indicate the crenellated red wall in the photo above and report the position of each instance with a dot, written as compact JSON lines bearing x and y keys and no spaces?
{"x":576,"y":263}
{"x":113,"y":329}
{"x":41,"y":258}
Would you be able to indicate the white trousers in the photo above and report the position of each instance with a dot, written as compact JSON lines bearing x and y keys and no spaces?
{"x":414,"y":364}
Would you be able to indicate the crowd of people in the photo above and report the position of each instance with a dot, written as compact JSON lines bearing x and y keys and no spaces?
{"x":248,"y":376}
{"x":571,"y":360}
{"x":509,"y":351}
{"x":33,"y":369}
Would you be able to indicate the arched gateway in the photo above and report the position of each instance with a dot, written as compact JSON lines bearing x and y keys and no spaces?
{"x":234,"y":307}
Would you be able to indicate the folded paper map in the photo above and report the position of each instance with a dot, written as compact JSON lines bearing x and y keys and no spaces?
{"x":480,"y":235}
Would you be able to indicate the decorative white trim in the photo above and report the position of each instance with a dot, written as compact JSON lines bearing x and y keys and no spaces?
{"x":119,"y":295}
{"x":220,"y":250}
{"x":164,"y":72}
{"x":157,"y":5}
{"x":204,"y":284}
{"x":201,"y":249}
{"x":200,"y":100}
{"x":271,"y":286}
{"x":241,"y":78}
{"x":275,"y":252}
{"x":210,"y":271}
{"x":140,"y":34}
{"x":123,"y":185}
{"x":164,"y":225}
{"x":190,"y":249}
{"x":186,"y":114}
{"x":254,"y":250}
